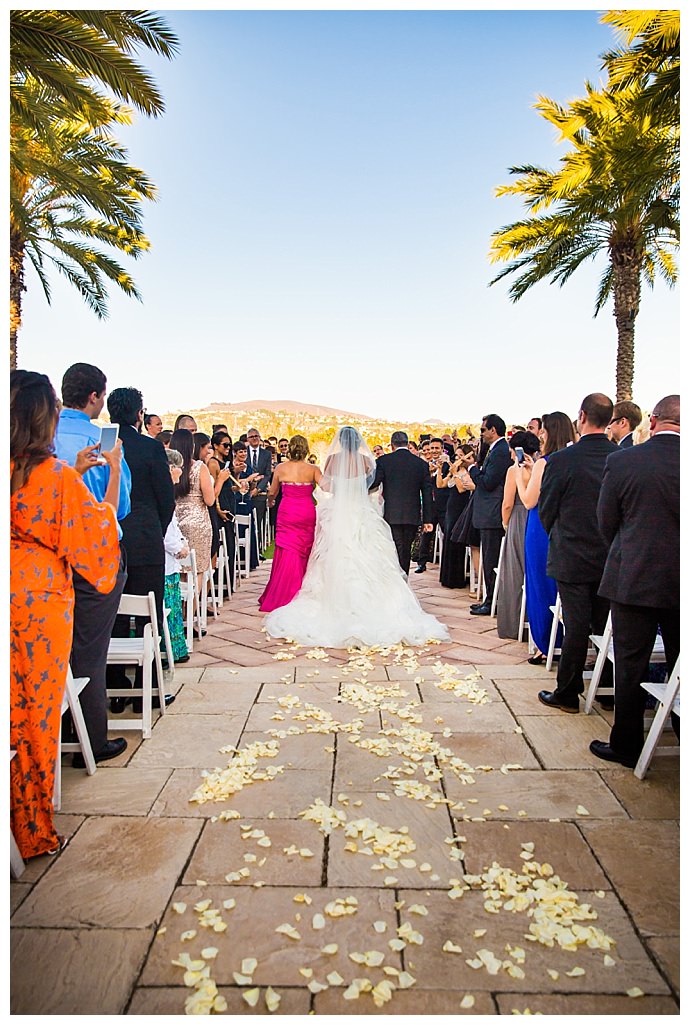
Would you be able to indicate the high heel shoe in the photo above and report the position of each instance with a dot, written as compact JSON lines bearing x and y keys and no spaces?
{"x":537,"y":660}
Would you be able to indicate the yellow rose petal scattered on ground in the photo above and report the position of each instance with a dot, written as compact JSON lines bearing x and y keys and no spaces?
{"x":188,"y":935}
{"x":288,"y":930}
{"x":318,"y":922}
{"x":208,"y":953}
{"x":330,"y":948}
{"x":306,"y":972}
{"x":302,"y":898}
{"x":581,"y":810}
{"x":467,"y":1001}
{"x":479,"y":932}
{"x":251,"y":996}
{"x":335,"y":979}
{"x":272,"y":999}
{"x":304,"y":852}
{"x":316,"y":987}
{"x":242,"y":980}
{"x":180,"y":907}
{"x":575,"y":972}
{"x":608,"y":961}
{"x":380,"y":926}
{"x":553,"y":973}
{"x":451,"y":948}
{"x":229,"y":904}
{"x":418,"y":909}
{"x":635,"y":992}
{"x":249,"y":965}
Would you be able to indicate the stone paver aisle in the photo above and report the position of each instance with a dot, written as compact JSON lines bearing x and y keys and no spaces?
{"x":423,"y":837}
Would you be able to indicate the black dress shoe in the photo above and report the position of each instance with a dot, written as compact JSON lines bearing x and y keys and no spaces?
{"x":476,"y":604}
{"x":536,"y":660}
{"x":606,"y":702}
{"x":481,"y":610}
{"x":118,"y":705}
{"x":112,"y":749}
{"x":605,"y":751}
{"x":421,"y":568}
{"x":549,"y":698}
{"x":137,"y":705}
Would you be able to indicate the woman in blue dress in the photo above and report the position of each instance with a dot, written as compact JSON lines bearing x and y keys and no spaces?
{"x":557,"y":432}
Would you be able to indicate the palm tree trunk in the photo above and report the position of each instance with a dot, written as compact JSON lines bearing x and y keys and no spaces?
{"x":627,"y":270}
{"x":17,"y":286}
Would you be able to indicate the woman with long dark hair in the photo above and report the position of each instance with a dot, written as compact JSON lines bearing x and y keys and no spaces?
{"x":514,"y":517}
{"x":56,"y":525}
{"x":557,"y":432}
{"x":193,"y":495}
{"x":461,"y":486}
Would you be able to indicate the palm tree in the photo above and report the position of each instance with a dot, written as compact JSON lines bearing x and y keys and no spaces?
{"x":70,"y":183}
{"x":650,"y":58}
{"x":67,"y":51}
{"x":616,"y":193}
{"x":72,"y":191}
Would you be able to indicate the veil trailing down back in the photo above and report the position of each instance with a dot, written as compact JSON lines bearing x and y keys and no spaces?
{"x":353,"y":592}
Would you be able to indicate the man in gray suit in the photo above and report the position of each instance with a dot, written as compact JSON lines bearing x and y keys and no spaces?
{"x":488,"y":499}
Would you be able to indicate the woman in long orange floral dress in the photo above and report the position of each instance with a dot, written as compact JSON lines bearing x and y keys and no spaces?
{"x":56,"y":525}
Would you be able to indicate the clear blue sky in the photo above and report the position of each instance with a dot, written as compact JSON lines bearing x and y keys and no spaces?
{"x":326,"y":201}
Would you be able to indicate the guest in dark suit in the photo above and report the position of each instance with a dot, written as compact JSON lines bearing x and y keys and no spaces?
{"x":259,"y":461}
{"x":153,"y":504}
{"x":625,"y":418}
{"x":639,"y":516}
{"x":438,"y":461}
{"x":406,"y":494}
{"x":489,"y":479}
{"x":577,"y":551}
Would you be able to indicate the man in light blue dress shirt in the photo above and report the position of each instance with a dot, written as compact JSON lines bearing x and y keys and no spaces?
{"x":83,"y":397}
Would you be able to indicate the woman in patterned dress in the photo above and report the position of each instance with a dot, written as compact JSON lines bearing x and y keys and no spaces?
{"x":193,"y":496}
{"x":56,"y":525}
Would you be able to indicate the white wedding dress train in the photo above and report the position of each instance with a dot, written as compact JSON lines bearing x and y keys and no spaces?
{"x":354,"y":592}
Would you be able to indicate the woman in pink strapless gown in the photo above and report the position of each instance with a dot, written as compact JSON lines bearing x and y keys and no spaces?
{"x":295,"y":524}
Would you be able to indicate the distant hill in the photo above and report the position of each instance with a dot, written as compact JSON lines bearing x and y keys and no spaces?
{"x":284,"y":406}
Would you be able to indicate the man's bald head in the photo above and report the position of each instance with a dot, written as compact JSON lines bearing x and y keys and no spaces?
{"x":667,"y":412}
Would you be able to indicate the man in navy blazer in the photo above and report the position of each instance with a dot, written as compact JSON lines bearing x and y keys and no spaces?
{"x":639,"y":517}
{"x":406,"y":495}
{"x":489,"y":479}
{"x":625,"y":418}
{"x":577,"y":551}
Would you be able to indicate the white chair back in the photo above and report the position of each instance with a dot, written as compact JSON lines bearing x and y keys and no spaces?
{"x":668,"y":696}
{"x":71,"y":703}
{"x":243,"y":542}
{"x":144,"y":651}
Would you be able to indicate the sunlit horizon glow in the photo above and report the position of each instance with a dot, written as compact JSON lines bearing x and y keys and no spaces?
{"x":326,"y":200}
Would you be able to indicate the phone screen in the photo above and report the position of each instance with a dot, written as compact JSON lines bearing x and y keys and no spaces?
{"x":520,"y":454}
{"x":109,"y":435}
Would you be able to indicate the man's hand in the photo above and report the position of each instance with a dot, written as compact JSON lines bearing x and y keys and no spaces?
{"x":427,"y":528}
{"x":86,"y":458}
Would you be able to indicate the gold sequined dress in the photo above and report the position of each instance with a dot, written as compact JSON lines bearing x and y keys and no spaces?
{"x":194,"y":520}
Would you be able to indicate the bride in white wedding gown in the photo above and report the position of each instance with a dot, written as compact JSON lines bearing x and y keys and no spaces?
{"x":353,"y":592}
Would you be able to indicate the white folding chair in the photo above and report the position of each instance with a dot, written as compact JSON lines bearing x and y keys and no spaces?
{"x":481,"y":582}
{"x":668,"y":696}
{"x":189,"y":589}
{"x":208,"y":587}
{"x":140,"y":651}
{"x":223,"y":567}
{"x":523,"y":613}
{"x":557,"y":618}
{"x":70,"y":701}
{"x":603,"y":645}
{"x":243,"y":544}
{"x":497,"y":571}
{"x":17,"y":865}
{"x":438,"y":544}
